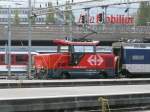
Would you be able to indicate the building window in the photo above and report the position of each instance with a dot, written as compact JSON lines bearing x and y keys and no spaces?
{"x":21,"y":19}
{"x":23,"y":12}
{"x":25,"y":20}
{"x":42,"y":19}
{"x":12,"y":11}
{"x":3,"y":12}
{"x":6,"y":11}
{"x":26,"y":12}
{"x":5,"y":19}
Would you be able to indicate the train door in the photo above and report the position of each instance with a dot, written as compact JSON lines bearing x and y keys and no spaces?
{"x":78,"y":52}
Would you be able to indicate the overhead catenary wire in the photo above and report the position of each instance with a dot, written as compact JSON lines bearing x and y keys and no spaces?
{"x":43,"y":11}
{"x":71,"y":4}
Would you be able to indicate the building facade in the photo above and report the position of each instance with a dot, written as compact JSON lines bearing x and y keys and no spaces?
{"x":23,"y":16}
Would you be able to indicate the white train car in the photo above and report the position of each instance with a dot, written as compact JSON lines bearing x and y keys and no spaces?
{"x":134,"y":59}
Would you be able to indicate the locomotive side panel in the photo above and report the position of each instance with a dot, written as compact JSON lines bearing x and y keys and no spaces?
{"x":90,"y":65}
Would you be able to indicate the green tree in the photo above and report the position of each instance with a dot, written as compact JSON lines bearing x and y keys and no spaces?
{"x":68,"y":14}
{"x":33,"y":18}
{"x":16,"y":17}
{"x":50,"y":16}
{"x":143,"y":13}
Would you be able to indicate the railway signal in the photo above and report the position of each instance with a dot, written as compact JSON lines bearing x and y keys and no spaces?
{"x":99,"y":18}
{"x":83,"y":19}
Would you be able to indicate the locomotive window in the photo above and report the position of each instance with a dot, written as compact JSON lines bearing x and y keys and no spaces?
{"x":64,"y":48}
{"x":83,"y":48}
{"x":104,"y":49}
{"x":21,"y":59}
{"x":89,"y":48}
{"x":138,"y":57}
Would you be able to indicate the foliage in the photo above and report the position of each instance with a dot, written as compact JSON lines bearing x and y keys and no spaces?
{"x":143,"y":13}
{"x":33,"y":20}
{"x":68,"y":14}
{"x":50,"y":16}
{"x":16,"y":17}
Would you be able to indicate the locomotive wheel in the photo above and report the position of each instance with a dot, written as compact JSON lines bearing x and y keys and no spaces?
{"x":42,"y":74}
{"x":65,"y":75}
{"x":105,"y":75}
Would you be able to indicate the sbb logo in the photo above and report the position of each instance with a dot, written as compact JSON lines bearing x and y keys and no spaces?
{"x":95,"y":60}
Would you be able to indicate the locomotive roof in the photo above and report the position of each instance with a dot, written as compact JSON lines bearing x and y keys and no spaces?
{"x":65,"y":42}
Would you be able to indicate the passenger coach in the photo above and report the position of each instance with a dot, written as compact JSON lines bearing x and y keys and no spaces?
{"x":19,"y":62}
{"x":133,"y":59}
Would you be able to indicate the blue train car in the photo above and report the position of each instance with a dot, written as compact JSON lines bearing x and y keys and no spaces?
{"x":135,"y":59}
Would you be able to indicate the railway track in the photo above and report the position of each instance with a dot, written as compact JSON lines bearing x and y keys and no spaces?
{"x":70,"y":83}
{"x":114,"y":109}
{"x":123,"y":109}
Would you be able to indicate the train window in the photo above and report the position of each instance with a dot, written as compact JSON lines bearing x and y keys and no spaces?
{"x":21,"y":59}
{"x":2,"y":59}
{"x":138,"y":57}
{"x":89,"y":48}
{"x":139,"y":46}
{"x":12,"y":59}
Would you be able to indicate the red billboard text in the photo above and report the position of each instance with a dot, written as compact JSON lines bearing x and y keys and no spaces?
{"x":110,"y":19}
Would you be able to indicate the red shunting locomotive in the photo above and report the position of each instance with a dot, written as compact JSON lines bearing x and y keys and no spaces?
{"x":76,"y":60}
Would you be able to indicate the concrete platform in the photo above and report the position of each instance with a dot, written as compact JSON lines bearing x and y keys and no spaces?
{"x":70,"y":82}
{"x":69,"y":98}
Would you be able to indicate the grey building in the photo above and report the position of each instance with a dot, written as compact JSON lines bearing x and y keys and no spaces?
{"x":23,"y":16}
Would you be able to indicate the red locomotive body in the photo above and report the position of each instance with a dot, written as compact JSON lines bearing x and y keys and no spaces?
{"x":76,"y":60}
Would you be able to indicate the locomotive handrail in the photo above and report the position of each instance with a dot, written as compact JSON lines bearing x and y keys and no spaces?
{"x":46,"y":64}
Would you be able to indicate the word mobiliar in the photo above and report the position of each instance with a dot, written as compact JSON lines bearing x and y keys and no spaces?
{"x":110,"y":19}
